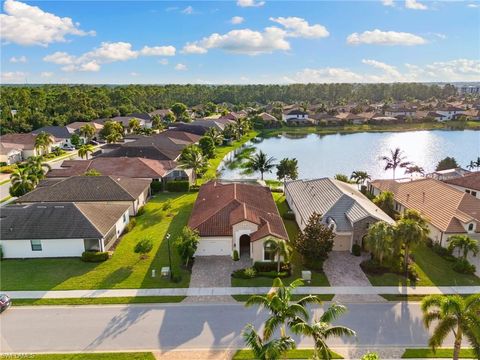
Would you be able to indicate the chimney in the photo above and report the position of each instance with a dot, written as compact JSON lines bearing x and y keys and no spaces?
{"x":423,"y":197}
{"x":408,"y":197}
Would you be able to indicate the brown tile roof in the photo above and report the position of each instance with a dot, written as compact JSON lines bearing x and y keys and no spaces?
{"x":470,"y":181}
{"x":220,"y":206}
{"x":78,"y":124}
{"x":18,"y":141}
{"x":444,"y":207}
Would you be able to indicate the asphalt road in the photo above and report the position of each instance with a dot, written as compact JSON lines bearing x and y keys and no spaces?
{"x":181,"y":326}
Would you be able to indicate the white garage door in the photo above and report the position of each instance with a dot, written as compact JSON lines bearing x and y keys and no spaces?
{"x":341,"y":243}
{"x":207,"y":247}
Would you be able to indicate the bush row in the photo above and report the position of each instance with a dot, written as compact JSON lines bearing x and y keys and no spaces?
{"x":178,"y":186}
{"x":94,"y":256}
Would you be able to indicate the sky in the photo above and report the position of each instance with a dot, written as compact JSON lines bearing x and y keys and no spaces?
{"x":239,"y":42}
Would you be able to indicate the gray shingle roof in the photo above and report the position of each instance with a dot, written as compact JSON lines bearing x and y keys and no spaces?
{"x":332,"y":198}
{"x":58,"y":132}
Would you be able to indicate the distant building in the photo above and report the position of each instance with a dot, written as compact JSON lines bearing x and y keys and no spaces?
{"x":448,"y":174}
{"x":450,"y":112}
{"x":469,"y":183}
{"x":473,"y":89}
{"x":296,"y":117}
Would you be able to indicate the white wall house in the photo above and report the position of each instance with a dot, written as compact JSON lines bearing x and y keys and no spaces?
{"x":450,"y":113}
{"x":295,"y":115}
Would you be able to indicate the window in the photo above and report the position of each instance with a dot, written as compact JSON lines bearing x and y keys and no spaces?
{"x":474,"y":193}
{"x":467,"y":191}
{"x":36,"y":245}
{"x":124,"y":218}
{"x":268,"y":252}
{"x":470,"y":227}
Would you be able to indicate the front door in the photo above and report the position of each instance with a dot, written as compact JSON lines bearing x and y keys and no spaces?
{"x":245,"y":245}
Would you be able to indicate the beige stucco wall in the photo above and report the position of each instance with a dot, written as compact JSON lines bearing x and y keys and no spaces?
{"x":257,"y":248}
{"x":242,"y":228}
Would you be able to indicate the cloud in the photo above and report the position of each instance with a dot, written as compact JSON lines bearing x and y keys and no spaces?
{"x":378,"y":37}
{"x":388,"y":2}
{"x":188,"y":10}
{"x":21,"y":59}
{"x":298,"y":27}
{"x":163,"y":61}
{"x":415,"y":5}
{"x":13,"y":77}
{"x":133,"y":73}
{"x":474,"y":6}
{"x":389,"y":70}
{"x":237,"y":20}
{"x":324,"y":75}
{"x":181,"y":67}
{"x":24,"y":24}
{"x":250,"y":3}
{"x":46,"y":74}
{"x":106,"y":53}
{"x":245,"y":41}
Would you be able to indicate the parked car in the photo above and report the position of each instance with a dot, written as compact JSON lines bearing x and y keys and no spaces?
{"x":5,"y":302}
{"x":68,"y":147}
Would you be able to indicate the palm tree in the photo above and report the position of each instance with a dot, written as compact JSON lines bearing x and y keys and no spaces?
{"x":463,"y":243}
{"x":260,"y":162}
{"x":453,"y":314}
{"x":281,"y":250}
{"x":43,"y":141}
{"x":22,"y":181}
{"x":114,"y":137}
{"x":321,"y":330}
{"x":395,"y":160}
{"x":360,"y":177}
{"x":472,"y":165}
{"x":85,"y":149}
{"x":216,"y":135}
{"x":379,"y":240}
{"x":192,"y":158}
{"x":283,"y":312}
{"x":37,"y":167}
{"x":415,"y":169}
{"x":134,"y":125}
{"x":273,"y":349}
{"x":87,"y":131}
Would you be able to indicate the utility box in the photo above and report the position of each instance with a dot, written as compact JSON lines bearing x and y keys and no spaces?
{"x":165,"y":272}
{"x":307,"y":276}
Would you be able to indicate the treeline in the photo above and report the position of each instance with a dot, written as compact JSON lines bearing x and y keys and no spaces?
{"x":37,"y":106}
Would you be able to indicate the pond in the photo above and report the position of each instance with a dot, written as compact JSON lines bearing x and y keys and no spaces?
{"x":327,"y":155}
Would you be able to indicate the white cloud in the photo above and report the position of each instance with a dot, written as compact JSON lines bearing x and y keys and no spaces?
{"x":378,"y":37}
{"x":298,"y":27}
{"x":60,"y":58}
{"x":474,"y":6}
{"x":163,"y":61}
{"x":237,"y":20}
{"x":13,"y":77}
{"x":324,"y":75}
{"x":389,"y":70}
{"x":158,"y":51}
{"x":188,"y":10}
{"x":46,"y":74}
{"x":388,"y":2}
{"x":243,"y":41}
{"x":133,"y":73}
{"x":24,"y":24}
{"x":181,"y":67}
{"x":250,"y":3}
{"x":415,"y":5}
{"x":21,"y":59}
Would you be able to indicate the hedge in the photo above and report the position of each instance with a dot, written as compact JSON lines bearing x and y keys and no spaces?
{"x":178,"y":186}
{"x":94,"y":256}
{"x":156,"y":186}
{"x":268,"y":266}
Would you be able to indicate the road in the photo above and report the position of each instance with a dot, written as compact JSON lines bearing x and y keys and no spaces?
{"x":181,"y":326}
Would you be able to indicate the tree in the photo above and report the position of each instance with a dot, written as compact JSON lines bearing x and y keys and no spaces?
{"x":474,"y":164}
{"x":216,"y":135}
{"x":270,"y":350}
{"x":22,"y":181}
{"x":75,"y":140}
{"x":207,"y":145}
{"x":386,"y":201}
{"x":379,"y":241}
{"x":36,"y":166}
{"x":84,"y":150}
{"x":169,"y":118}
{"x":453,"y":314}
{"x":43,"y":142}
{"x":87,"y":131}
{"x":111,"y":127}
{"x":321,"y":330}
{"x":447,"y":163}
{"x":187,"y":244}
{"x":342,"y":178}
{"x":395,"y":160}
{"x":179,"y":110}
{"x":287,"y":169}
{"x":465,"y":244}
{"x":281,"y":250}
{"x":134,"y":125}
{"x":260,"y":162}
{"x":93,"y":172}
{"x":315,"y":242}
{"x":415,"y":169}
{"x":282,"y":310}
{"x":114,"y":137}
{"x":143,"y":247}
{"x":231,"y":132}
{"x":192,"y":158}
{"x":360,"y":177}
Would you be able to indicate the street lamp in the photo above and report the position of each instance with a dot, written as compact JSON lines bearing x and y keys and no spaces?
{"x":169,"y":256}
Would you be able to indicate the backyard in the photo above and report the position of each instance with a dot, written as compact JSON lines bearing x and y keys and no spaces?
{"x":124,"y":269}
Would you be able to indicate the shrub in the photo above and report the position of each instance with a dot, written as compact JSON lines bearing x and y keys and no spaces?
{"x":412,"y":274}
{"x":429,"y":243}
{"x":356,"y":250}
{"x":235,"y":255}
{"x":276,"y":190}
{"x":464,"y":267}
{"x":3,"y":163}
{"x":266,"y":266}
{"x":94,"y":256}
{"x":370,"y":356}
{"x":8,"y":169}
{"x":178,"y":186}
{"x":156,"y":186}
{"x":140,"y":211}
{"x":289,"y":215}
{"x":143,"y":247}
{"x":130,"y":225}
{"x":443,"y":252}
{"x":250,"y":273}
{"x":1,"y":253}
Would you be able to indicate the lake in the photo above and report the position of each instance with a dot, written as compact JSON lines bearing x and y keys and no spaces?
{"x":327,"y":155}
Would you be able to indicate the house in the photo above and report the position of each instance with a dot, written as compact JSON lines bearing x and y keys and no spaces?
{"x":60,"y":229}
{"x":160,"y":112}
{"x":436,"y":116}
{"x":400,"y":111}
{"x":77,"y":125}
{"x":447,"y":174}
{"x":344,"y":209}
{"x":97,"y":189}
{"x":236,"y":216}
{"x":18,"y":147}
{"x":267,"y":120}
{"x":450,"y":112}
{"x":62,"y":135}
{"x":447,"y":210}
{"x":469,"y":183}
{"x":296,"y":116}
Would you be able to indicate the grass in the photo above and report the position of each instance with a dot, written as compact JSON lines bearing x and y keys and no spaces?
{"x":99,"y":301}
{"x":84,"y":356}
{"x":4,"y":181}
{"x":432,"y":269}
{"x":296,"y":297}
{"x":5,"y":199}
{"x":440,"y":353}
{"x":245,"y":354}
{"x":398,"y":297}
{"x":318,"y":278}
{"x":124,"y":270}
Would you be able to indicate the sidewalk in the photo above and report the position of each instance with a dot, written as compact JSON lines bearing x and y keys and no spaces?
{"x":221,"y":291}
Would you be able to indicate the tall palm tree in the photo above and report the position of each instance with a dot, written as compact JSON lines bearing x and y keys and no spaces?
{"x":22,"y":181}
{"x":84,"y":150}
{"x":453,"y":314}
{"x":271,"y":350}
{"x":134,"y":125}
{"x":216,"y":136}
{"x":283,"y":311}
{"x":472,"y":165}
{"x":281,"y":250}
{"x":43,"y":141}
{"x":394,"y":160}
{"x":321,"y":330}
{"x":415,"y":169}
{"x":463,"y":243}
{"x":37,"y":167}
{"x":114,"y":137}
{"x":379,"y":241}
{"x":87,"y":131}
{"x":260,"y":162}
{"x":360,"y":177}
{"x":192,"y":158}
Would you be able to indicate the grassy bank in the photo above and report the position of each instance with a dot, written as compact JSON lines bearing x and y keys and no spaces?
{"x":394,"y":297}
{"x":84,"y":356}
{"x":99,"y":301}
{"x":439,"y":354}
{"x":323,"y":297}
{"x":291,"y":354}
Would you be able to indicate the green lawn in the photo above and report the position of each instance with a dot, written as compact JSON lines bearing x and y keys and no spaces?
{"x":124,"y":270}
{"x":440,"y":353}
{"x":323,"y":297}
{"x":393,"y":297}
{"x":97,"y":301}
{"x":291,"y":354}
{"x":85,"y":356}
{"x":318,"y":278}
{"x":433,"y":270}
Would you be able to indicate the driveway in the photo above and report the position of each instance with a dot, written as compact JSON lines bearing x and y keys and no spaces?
{"x":343,"y":269}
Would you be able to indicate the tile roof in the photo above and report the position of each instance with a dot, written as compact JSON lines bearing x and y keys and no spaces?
{"x":444,"y":206}
{"x":332,"y":198}
{"x":59,"y":220}
{"x":470,"y":181}
{"x":220,"y":206}
{"x":88,"y":188}
{"x":78,"y":124}
{"x":18,"y":141}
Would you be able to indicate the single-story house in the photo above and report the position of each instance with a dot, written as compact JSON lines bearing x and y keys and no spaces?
{"x":400,"y":111}
{"x":344,"y":209}
{"x":448,"y":174}
{"x":62,"y":135}
{"x":436,"y":116}
{"x":97,"y":189}
{"x":77,"y":125}
{"x":17,"y":147}
{"x":60,"y":229}
{"x":469,"y":183}
{"x":447,"y":210}
{"x":236,"y":216}
{"x":450,"y":112}
{"x":296,"y":116}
